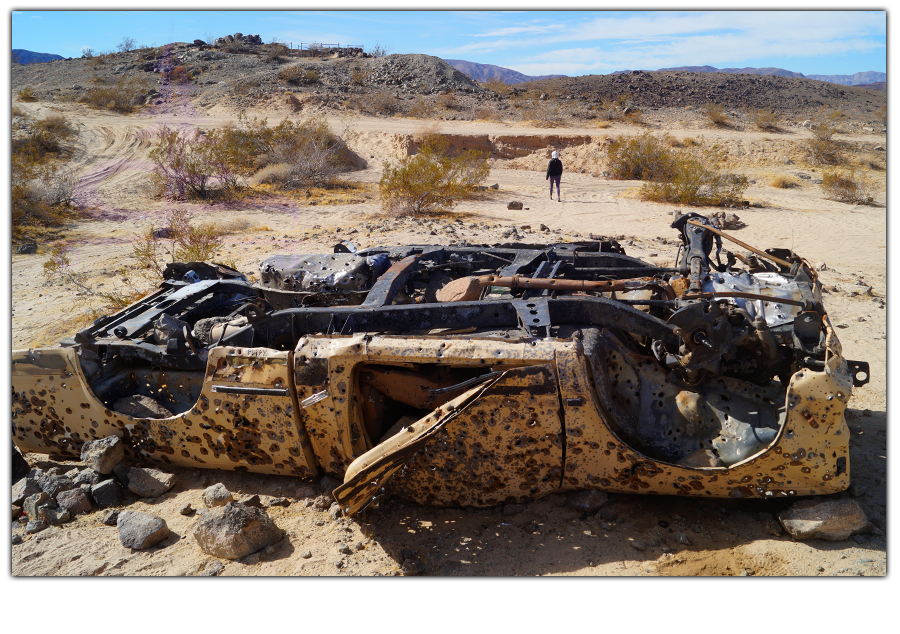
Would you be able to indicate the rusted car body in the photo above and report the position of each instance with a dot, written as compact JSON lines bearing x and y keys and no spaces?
{"x":469,"y":375}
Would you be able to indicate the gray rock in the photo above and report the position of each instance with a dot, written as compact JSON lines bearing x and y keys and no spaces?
{"x":107,"y":493}
{"x":111,"y":517}
{"x":29,"y":248}
{"x":217,"y":495}
{"x":832,"y":520}
{"x":26,"y":487}
{"x":16,"y":512}
{"x":770,"y":525}
{"x":86,"y":476}
{"x":234,"y":531}
{"x":857,"y":490}
{"x":683,"y":539}
{"x":35,"y":526}
{"x":516,"y":205}
{"x":252,"y":500}
{"x":345,"y":550}
{"x":104,"y":454}
{"x":323,"y":502}
{"x":74,"y":501}
{"x":335,"y":511}
{"x":638,"y":545}
{"x":54,"y":516}
{"x":16,"y":539}
{"x":138,"y":406}
{"x":786,"y":160}
{"x":149,"y":483}
{"x":306,"y":554}
{"x":278,"y":502}
{"x":186,"y":509}
{"x":121,"y":472}
{"x":587,"y":500}
{"x":213,"y":568}
{"x":33,"y":504}
{"x":164,"y":327}
{"x":53,"y":484}
{"x":141,"y":530}
{"x":305,"y":492}
{"x":412,"y":567}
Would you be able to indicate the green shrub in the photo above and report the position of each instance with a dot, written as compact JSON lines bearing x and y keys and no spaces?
{"x":822,"y":148}
{"x":694,"y":182}
{"x":716,"y":114}
{"x":642,"y":157}
{"x":26,"y":94}
{"x":847,"y":187}
{"x":765,"y":119}
{"x":432,"y":180}
{"x":124,"y":96}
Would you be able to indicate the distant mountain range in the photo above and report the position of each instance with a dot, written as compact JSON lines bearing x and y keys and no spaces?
{"x":486,"y":72}
{"x":21,"y":56}
{"x":856,"y":79}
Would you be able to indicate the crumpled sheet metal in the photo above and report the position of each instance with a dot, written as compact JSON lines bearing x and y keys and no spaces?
{"x":57,"y":413}
{"x":809,"y":456}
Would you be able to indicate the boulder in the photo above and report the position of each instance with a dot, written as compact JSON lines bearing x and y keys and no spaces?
{"x":149,"y":483}
{"x":234,"y":531}
{"x":515,"y":205}
{"x":587,"y":500}
{"x":34,"y":503}
{"x":74,"y":501}
{"x":24,"y":488}
{"x":107,"y":493}
{"x":141,"y":530}
{"x":139,"y":406}
{"x":86,"y":476}
{"x":217,"y":495}
{"x":54,"y":516}
{"x":104,"y":454}
{"x":29,"y":248}
{"x":832,"y":520}
{"x":54,"y":484}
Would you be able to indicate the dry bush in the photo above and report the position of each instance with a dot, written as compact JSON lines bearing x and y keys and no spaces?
{"x":690,"y":142}
{"x":871,"y":161}
{"x":822,"y":148}
{"x":59,"y":266}
{"x":543,"y":114}
{"x":293,"y":102}
{"x":378,"y":50}
{"x":276,"y":52}
{"x":273,"y":174}
{"x":497,"y":85}
{"x":487,"y":114}
{"x":26,"y":94}
{"x":374,"y":103}
{"x":432,"y":180}
{"x":604,"y":124}
{"x":184,"y":242}
{"x":694,"y":182}
{"x":847,"y":187}
{"x":881,"y":114}
{"x":634,"y":117}
{"x":360,"y":76}
{"x":783,"y":182}
{"x":447,"y":101}
{"x":765,"y":119}
{"x":298,"y":76}
{"x":124,"y":96}
{"x":179,"y":75}
{"x":420,"y":109}
{"x":642,"y":157}
{"x":716,"y":115}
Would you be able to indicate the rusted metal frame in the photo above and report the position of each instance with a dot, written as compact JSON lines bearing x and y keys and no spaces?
{"x":533,"y":314}
{"x":754,"y":296}
{"x":154,"y":354}
{"x":525,"y":259}
{"x":611,"y":261}
{"x":541,"y":272}
{"x":758,"y":252}
{"x":390,"y":282}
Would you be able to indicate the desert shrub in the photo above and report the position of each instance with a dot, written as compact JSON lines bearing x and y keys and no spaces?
{"x":124,"y":96}
{"x":543,"y":114}
{"x":186,"y":163}
{"x":360,"y":76}
{"x":59,"y":266}
{"x":276,"y":52}
{"x":881,"y":115}
{"x":497,"y":85}
{"x":298,"y":76}
{"x":378,"y":50}
{"x":642,"y":157}
{"x":822,"y":148}
{"x":871,"y":161}
{"x":179,"y":75}
{"x":765,"y":119}
{"x":275,"y":173}
{"x":432,"y":180}
{"x":846,"y":187}
{"x":634,"y":116}
{"x":381,"y":102}
{"x":448,"y":101}
{"x":487,"y":114}
{"x":783,"y":182}
{"x":26,"y":94}
{"x":690,"y":142}
{"x":180,"y":242}
{"x":693,"y":181}
{"x":420,"y":109}
{"x":716,"y":114}
{"x":87,"y":52}
{"x":293,"y":102}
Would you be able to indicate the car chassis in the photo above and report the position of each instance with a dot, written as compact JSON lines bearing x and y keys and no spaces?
{"x":469,"y":375}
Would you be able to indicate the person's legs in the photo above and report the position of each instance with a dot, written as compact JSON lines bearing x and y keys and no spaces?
{"x":555,"y":179}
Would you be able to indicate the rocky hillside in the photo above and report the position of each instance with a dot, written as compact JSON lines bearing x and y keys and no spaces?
{"x":22,"y":56}
{"x":486,"y":72}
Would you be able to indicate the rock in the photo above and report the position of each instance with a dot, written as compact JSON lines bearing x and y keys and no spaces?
{"x":103,"y":455}
{"x":638,"y":545}
{"x":345,"y":550}
{"x":16,"y":539}
{"x":682,"y":538}
{"x":464,"y":289}
{"x":786,"y":160}
{"x":199,"y":43}
{"x":111,"y":517}
{"x":141,"y":530}
{"x":770,"y":525}
{"x":513,"y":509}
{"x":323,"y":502}
{"x":217,"y":495}
{"x":20,"y":466}
{"x":494,"y":186}
{"x":16,"y":512}
{"x":832,"y":520}
{"x":278,"y":502}
{"x":53,"y":484}
{"x":306,"y":554}
{"x":74,"y":501}
{"x":234,"y":531}
{"x":515,"y":205}
{"x":879,"y":148}
{"x":35,"y":526}
{"x":33,"y":503}
{"x":857,"y":490}
{"x":139,"y":406}
{"x":86,"y":476}
{"x":149,"y":483}
{"x":29,"y":248}
{"x":586,"y":501}
{"x":107,"y":493}
{"x":186,"y":509}
{"x":54,"y":516}
{"x":252,"y":500}
{"x":412,"y":567}
{"x":358,"y":546}
{"x":335,"y":511}
{"x":305,"y":492}
{"x":164,"y":328}
{"x":821,"y":266}
{"x":213,"y":568}
{"x":121,"y":472}
{"x":26,"y":487}
{"x":328,"y":484}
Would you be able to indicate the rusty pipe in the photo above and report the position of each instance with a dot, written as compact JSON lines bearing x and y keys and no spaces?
{"x":743,"y":244}
{"x":518,"y":281}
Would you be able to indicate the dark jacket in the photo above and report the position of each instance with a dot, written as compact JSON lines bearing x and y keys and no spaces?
{"x":554,"y":168}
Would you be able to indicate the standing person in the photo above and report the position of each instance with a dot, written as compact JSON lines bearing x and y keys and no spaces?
{"x":554,"y":174}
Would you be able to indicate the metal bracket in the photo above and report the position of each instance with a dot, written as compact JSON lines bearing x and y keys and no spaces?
{"x":533,"y":314}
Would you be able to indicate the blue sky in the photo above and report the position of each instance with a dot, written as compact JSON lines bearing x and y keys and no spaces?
{"x":531,"y":42}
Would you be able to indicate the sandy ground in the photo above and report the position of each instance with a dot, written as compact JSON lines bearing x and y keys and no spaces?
{"x":727,"y":537}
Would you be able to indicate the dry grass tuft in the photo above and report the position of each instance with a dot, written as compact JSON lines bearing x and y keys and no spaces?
{"x":847,"y":187}
{"x":783,"y":182}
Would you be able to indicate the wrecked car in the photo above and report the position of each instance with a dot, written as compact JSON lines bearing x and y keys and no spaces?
{"x":468,"y":375}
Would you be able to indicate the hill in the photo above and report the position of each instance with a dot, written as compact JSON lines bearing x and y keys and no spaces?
{"x":21,"y":56}
{"x":486,"y":72}
{"x":856,"y":79}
